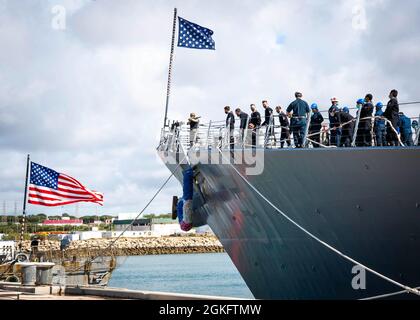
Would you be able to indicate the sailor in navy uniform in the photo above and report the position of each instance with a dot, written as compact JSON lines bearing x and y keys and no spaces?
{"x":298,"y":111}
{"x":230,"y":126}
{"x":269,"y":120}
{"x":243,"y":122}
{"x":335,"y":131}
{"x":364,"y":131}
{"x":285,"y":128}
{"x":316,"y":125}
{"x":391,"y":113}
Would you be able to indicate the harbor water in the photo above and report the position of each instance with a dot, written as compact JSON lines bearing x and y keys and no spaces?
{"x":203,"y":274}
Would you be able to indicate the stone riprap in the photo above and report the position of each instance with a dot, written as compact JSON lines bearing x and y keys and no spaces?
{"x":132,"y":246}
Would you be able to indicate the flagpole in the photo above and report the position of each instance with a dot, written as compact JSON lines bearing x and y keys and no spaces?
{"x":22,"y":231}
{"x":171,"y":58}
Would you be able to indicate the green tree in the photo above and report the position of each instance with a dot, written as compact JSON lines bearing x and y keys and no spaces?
{"x":42,"y":216}
{"x":86,"y":219}
{"x":105,"y":217}
{"x":149,"y":216}
{"x":12,"y":219}
{"x":31,"y":219}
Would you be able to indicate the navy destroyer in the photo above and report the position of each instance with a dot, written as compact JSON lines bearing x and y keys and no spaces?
{"x":299,"y":223}
{"x":363,"y":203}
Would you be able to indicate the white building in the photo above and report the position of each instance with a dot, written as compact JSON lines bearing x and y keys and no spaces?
{"x":1,"y":236}
{"x":128,"y":234}
{"x":71,"y":236}
{"x":127,"y":216}
{"x":86,"y":235}
{"x":157,"y":230}
{"x":168,"y":229}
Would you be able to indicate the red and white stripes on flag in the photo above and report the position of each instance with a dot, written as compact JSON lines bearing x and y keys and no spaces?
{"x":50,"y":188}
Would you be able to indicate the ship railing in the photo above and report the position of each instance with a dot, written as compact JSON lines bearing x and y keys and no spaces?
{"x":355,"y":130}
{"x":215,"y":134}
{"x":417,"y":133}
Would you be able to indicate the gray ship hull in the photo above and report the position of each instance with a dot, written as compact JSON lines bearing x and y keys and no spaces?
{"x":364,"y":202}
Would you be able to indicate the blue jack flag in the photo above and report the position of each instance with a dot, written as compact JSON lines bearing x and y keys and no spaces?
{"x":193,"y":36}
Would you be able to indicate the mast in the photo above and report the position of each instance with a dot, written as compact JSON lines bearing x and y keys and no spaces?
{"x":22,"y":230}
{"x":171,"y":58}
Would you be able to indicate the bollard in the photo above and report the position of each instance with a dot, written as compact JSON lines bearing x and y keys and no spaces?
{"x":28,"y":274}
{"x":44,"y":273}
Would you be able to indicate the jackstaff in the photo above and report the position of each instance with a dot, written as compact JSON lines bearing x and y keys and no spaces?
{"x":192,"y":36}
{"x":22,"y":230}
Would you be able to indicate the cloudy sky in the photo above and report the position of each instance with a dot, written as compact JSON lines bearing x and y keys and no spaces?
{"x":86,"y":96}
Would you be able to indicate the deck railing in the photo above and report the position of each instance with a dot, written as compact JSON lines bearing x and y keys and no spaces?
{"x":215,"y":134}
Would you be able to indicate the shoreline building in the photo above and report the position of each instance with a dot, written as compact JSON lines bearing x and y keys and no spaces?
{"x":156,"y":227}
{"x":136,"y":225}
{"x":64,"y":221}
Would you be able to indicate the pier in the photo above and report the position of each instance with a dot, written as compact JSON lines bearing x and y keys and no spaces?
{"x":14,"y":291}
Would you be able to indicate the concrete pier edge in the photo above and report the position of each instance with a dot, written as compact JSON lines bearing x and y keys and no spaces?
{"x":105,"y":292}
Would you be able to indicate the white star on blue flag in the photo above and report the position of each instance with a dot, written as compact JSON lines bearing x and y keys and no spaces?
{"x":43,"y":176}
{"x":193,"y":36}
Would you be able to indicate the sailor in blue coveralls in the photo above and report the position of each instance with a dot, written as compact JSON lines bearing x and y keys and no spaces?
{"x":415,"y":126}
{"x":380,"y":127}
{"x":405,"y":129}
{"x":298,"y":111}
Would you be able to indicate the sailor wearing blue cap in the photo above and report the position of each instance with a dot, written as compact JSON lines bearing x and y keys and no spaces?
{"x":315,"y":126}
{"x":347,"y":128}
{"x":380,"y":128}
{"x":405,"y":129}
{"x":364,"y":132}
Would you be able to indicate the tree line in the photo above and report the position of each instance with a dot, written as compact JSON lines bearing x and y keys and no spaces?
{"x":40,"y":218}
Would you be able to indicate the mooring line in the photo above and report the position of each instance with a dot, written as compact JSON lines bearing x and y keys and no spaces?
{"x":380,"y":275}
{"x":132,"y":222}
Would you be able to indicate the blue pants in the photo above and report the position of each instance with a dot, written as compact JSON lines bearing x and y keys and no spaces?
{"x":335,"y":137}
{"x":346,"y":137}
{"x":380,"y":134}
{"x":298,"y":127}
{"x":407,"y":138}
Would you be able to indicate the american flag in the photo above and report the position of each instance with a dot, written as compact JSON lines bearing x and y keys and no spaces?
{"x":193,"y":36}
{"x":50,"y":188}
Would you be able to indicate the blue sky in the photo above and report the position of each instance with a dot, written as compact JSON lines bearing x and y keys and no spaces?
{"x":88,"y":100}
